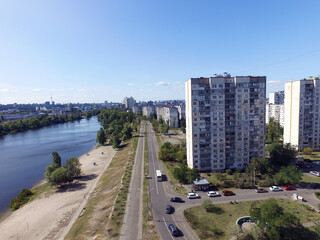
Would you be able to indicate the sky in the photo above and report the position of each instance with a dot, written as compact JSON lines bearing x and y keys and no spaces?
{"x":103,"y":50}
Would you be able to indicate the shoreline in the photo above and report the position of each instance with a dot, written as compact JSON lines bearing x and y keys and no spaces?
{"x":7,"y":212}
{"x":47,"y":216}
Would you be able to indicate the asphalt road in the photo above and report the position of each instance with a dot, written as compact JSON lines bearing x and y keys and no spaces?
{"x":159,"y":197}
{"x":132,"y":224}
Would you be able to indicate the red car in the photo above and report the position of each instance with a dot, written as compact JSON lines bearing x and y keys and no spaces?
{"x":289,"y":188}
{"x":227,"y":193}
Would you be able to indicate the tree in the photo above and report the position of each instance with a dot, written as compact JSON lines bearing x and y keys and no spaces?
{"x":281,"y":154}
{"x":73,"y":167}
{"x":274,"y":131}
{"x":115,"y":140}
{"x":101,"y":136}
{"x":288,"y":175}
{"x":60,"y":176}
{"x":307,"y":151}
{"x":56,"y":163}
{"x":127,"y":132}
{"x":56,"y":159}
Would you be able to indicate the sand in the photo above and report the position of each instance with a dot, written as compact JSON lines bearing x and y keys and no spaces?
{"x":50,"y":217}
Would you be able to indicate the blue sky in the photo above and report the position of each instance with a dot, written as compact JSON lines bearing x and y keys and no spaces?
{"x":92,"y":51}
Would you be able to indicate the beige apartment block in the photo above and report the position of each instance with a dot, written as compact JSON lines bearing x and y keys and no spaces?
{"x":225,"y":121}
{"x":302,"y":109}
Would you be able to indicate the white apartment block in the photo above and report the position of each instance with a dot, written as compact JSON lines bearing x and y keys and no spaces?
{"x":128,"y":102}
{"x":169,"y":114}
{"x":275,"y":111}
{"x":147,"y":110}
{"x":225,"y":121}
{"x":276,"y":97}
{"x":302,"y":112}
{"x":182,"y":111}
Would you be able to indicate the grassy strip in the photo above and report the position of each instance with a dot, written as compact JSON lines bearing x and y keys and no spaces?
{"x":103,"y":216}
{"x":308,"y":179}
{"x":149,"y":228}
{"x":222,"y":225}
{"x":314,"y":156}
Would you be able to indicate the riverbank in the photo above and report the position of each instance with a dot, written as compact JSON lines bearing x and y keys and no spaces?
{"x":48,"y":215}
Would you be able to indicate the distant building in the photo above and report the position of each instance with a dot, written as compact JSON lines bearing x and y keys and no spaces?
{"x":169,"y":114}
{"x":128,"y":102}
{"x":147,"y":110}
{"x":225,"y":121}
{"x":275,"y":111}
{"x":136,"y":109}
{"x":182,"y":111}
{"x":276,"y":97}
{"x":302,"y":114}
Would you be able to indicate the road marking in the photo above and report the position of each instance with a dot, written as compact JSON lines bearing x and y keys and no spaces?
{"x":167,"y":228}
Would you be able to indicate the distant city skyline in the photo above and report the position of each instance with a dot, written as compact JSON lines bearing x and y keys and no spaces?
{"x":105,"y":50}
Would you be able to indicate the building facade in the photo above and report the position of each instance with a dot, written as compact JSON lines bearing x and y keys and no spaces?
{"x":225,"y":121}
{"x":276,"y":97}
{"x":169,"y":114}
{"x":275,"y":111}
{"x":302,"y":112}
{"x":147,"y":110}
{"x":128,"y":102}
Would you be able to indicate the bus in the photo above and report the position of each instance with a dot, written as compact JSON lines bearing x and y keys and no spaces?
{"x":159,"y":175}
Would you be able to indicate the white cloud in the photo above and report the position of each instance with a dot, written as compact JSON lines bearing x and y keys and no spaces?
{"x":59,"y":89}
{"x":130,"y":84}
{"x":4,"y":90}
{"x":162,"y":84}
{"x":36,"y":90}
{"x":14,"y":90}
{"x":274,"y":82}
{"x":80,"y":90}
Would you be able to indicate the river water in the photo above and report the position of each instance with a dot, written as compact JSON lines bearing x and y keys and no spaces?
{"x":24,"y":156}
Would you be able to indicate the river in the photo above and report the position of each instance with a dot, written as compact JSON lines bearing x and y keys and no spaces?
{"x":24,"y":156}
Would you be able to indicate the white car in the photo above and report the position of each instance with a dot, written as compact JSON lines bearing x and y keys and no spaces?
{"x":192,"y":195}
{"x":213,"y":194}
{"x":276,"y":189}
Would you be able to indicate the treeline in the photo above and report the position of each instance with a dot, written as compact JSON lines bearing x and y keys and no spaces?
{"x":117,"y":126}
{"x":41,"y":121}
{"x":176,"y":154}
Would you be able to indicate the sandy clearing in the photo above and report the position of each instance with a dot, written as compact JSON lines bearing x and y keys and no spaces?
{"x":47,"y":218}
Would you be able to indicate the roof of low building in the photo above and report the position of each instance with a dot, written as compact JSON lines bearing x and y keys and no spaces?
{"x":201,"y":182}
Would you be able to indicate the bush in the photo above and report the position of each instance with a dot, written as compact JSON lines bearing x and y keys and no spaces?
{"x":229,"y":171}
{"x":22,"y":198}
{"x":307,"y":151}
{"x":317,"y":195}
{"x":209,"y":207}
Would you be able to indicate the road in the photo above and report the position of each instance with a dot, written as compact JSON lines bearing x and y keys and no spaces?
{"x":132,"y":223}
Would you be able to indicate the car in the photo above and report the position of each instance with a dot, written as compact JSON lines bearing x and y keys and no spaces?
{"x":316,"y":173}
{"x":315,"y":185}
{"x":176,"y":199}
{"x":173,"y":230}
{"x":213,"y":194}
{"x":288,"y":187}
{"x":275,"y":189}
{"x":261,"y":190}
{"x":227,"y":193}
{"x":307,"y":160}
{"x":169,"y":209}
{"x":192,"y":195}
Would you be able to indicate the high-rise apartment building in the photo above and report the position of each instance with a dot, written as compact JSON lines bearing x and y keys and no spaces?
{"x":276,"y":97}
{"x":225,"y":121}
{"x":302,"y":112}
{"x":275,"y":107}
{"x":128,"y":102}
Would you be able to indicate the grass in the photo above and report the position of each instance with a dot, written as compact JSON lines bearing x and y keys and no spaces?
{"x":314,"y":156}
{"x":308,"y":179}
{"x":176,"y":186}
{"x":222,"y":225}
{"x":317,"y":194}
{"x":149,"y":230}
{"x":103,"y":216}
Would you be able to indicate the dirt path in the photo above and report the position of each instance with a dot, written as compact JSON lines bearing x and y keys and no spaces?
{"x":48,"y":217}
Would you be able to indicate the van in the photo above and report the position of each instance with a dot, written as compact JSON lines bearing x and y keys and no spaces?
{"x":315,"y":173}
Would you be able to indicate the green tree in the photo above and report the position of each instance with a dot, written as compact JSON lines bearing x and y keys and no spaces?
{"x":274,"y":131}
{"x":288,"y":175}
{"x":281,"y":154}
{"x":60,"y":176}
{"x":56,"y":159}
{"x":127,"y":132}
{"x":115,"y":140}
{"x":56,"y":163}
{"x":73,"y":167}
{"x":101,"y":136}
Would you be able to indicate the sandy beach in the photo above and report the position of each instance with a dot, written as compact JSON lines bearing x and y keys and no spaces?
{"x":49,"y":217}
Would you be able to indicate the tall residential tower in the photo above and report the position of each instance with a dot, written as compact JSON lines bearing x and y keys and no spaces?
{"x":302,"y":112}
{"x":225,"y":121}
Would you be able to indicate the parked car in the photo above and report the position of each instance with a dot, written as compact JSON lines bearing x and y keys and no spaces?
{"x":289,"y":188}
{"x":169,"y":209}
{"x":176,"y":199}
{"x":192,"y":195}
{"x":276,"y":189}
{"x":316,"y":173}
{"x":173,"y":230}
{"x":261,"y":190}
{"x":315,"y":185}
{"x":213,"y":194}
{"x":307,"y":160}
{"x":227,"y":193}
